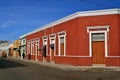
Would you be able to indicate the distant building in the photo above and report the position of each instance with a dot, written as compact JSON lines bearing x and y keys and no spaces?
{"x":4,"y":47}
{"x":10,"y":53}
{"x":22,"y":41}
{"x":16,"y":50}
{"x":89,"y":38}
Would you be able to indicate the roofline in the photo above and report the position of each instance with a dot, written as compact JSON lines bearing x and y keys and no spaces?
{"x":75,"y":15}
{"x":22,"y":37}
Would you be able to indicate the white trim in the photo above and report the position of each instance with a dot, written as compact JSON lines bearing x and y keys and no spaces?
{"x":75,"y":15}
{"x":106,"y":42}
{"x":62,"y":34}
{"x":98,"y":31}
{"x":54,"y":45}
{"x":74,"y":56}
{"x":90,"y":45}
{"x":90,"y":41}
{"x":112,"y":56}
{"x":22,"y":41}
{"x":32,"y":47}
{"x":65,"y":46}
{"x":45,"y":38}
{"x":52,"y":35}
{"x":28,"y":47}
{"x":98,"y":27}
{"x":106,"y":46}
{"x":37,"y":40}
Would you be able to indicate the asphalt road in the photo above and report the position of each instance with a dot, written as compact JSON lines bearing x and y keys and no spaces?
{"x":11,"y":69}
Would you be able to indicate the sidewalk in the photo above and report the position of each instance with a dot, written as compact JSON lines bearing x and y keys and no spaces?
{"x":72,"y":68}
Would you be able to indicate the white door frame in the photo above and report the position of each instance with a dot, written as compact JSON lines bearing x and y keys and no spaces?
{"x":98,"y":29}
{"x":45,"y":42}
{"x":90,"y":42}
{"x":37,"y":47}
{"x":54,"y":47}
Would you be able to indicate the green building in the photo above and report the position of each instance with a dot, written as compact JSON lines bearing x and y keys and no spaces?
{"x":22,"y":47}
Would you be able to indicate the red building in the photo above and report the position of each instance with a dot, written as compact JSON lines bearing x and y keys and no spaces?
{"x":89,"y":38}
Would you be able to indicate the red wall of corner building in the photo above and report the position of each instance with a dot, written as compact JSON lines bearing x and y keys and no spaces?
{"x":113,"y":61}
{"x":76,"y":61}
{"x":113,"y":41}
{"x":71,"y":31}
{"x":77,"y":38}
{"x":113,"y":36}
{"x":119,"y":30}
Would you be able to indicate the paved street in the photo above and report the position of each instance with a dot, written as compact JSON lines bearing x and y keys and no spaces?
{"x":11,"y":69}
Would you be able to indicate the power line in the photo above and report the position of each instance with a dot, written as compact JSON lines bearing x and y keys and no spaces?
{"x":99,"y":4}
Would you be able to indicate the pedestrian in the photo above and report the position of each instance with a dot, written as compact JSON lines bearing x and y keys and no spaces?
{"x":23,"y":55}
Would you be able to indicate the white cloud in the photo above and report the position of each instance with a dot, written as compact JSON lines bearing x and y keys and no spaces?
{"x":7,"y":24}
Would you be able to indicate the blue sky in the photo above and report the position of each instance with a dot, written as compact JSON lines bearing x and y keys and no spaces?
{"x":18,"y":17}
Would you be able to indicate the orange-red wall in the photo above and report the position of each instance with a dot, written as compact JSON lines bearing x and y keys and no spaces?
{"x":77,"y":39}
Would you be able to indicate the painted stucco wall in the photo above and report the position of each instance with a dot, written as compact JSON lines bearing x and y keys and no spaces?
{"x":77,"y":39}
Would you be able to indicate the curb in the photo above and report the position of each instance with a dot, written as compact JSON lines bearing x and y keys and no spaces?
{"x":71,"y":68}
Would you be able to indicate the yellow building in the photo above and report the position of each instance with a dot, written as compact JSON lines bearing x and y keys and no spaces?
{"x":16,"y":49}
{"x":10,"y":53}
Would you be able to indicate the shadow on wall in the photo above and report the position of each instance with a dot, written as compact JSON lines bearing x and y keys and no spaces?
{"x":4,"y":63}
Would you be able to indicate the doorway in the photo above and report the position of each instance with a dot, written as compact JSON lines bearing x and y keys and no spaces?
{"x":52,"y":49}
{"x":98,"y":48}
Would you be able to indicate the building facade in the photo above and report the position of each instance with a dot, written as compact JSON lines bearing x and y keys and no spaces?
{"x":16,"y":50}
{"x":4,"y":48}
{"x":86,"y":38}
{"x":22,"y":41}
{"x":10,"y":51}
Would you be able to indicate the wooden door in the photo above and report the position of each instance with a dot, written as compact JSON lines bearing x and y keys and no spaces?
{"x":98,"y":52}
{"x":52,"y":54}
{"x":52,"y":49}
{"x":62,"y":48}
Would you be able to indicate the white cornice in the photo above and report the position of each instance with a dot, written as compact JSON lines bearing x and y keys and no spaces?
{"x":98,"y":27}
{"x":75,"y":15}
{"x":23,"y":36}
